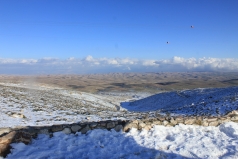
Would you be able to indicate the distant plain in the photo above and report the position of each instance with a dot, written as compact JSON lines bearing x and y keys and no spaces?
{"x":131,"y":82}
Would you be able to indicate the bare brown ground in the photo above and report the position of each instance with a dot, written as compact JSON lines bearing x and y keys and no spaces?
{"x":146,"y":82}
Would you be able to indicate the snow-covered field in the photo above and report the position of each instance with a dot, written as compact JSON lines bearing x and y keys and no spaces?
{"x":179,"y":142}
{"x":24,"y":105}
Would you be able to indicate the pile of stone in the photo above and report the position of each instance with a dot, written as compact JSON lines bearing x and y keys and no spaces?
{"x":25,"y":134}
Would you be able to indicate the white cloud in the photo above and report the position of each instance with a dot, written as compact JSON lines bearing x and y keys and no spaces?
{"x":105,"y":65}
{"x":201,"y":64}
{"x":14,"y":61}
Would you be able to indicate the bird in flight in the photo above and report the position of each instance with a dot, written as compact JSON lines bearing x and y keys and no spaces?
{"x":190,"y":27}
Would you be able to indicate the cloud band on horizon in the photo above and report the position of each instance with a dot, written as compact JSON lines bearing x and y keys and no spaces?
{"x":107,"y":65}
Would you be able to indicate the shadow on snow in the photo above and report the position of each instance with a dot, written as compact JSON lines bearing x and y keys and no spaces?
{"x":98,"y":144}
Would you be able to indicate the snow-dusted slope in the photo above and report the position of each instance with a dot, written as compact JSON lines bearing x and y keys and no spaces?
{"x":216,"y":101}
{"x":180,"y":142}
{"x":29,"y":105}
{"x":24,"y":105}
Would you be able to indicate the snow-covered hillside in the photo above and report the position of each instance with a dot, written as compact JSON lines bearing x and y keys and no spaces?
{"x":31,"y":105}
{"x":179,"y":142}
{"x":24,"y":105}
{"x":213,"y":101}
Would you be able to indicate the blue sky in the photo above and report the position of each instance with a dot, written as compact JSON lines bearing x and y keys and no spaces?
{"x":101,"y":36}
{"x":118,"y":29}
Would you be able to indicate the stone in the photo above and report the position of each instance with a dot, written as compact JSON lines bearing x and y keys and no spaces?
{"x":148,"y":122}
{"x":128,"y":126}
{"x":85,"y":129}
{"x":169,"y":125}
{"x":103,"y":124}
{"x":223,"y":118}
{"x":66,"y":130}
{"x":4,"y":130}
{"x":135,"y":121}
{"x":44,"y":131}
{"x":32,"y":131}
{"x":141,"y":125}
{"x":117,"y":107}
{"x":110,"y":125}
{"x":179,"y":120}
{"x":75,"y":128}
{"x":165,"y":122}
{"x":22,"y":136}
{"x":15,"y":115}
{"x":232,"y":113}
{"x":173,"y":122}
{"x":204,"y":123}
{"x":93,"y":125}
{"x":118,"y":128}
{"x":157,"y":122}
{"x":161,"y":118}
{"x":8,"y":138}
{"x":147,"y":127}
{"x":213,"y":123}
{"x":234,"y":118}
{"x":4,"y":150}
{"x":99,"y":127}
{"x":198,"y":122}
{"x":189,"y":121}
{"x":199,"y":118}
{"x":210,"y":119}
{"x":56,"y":128}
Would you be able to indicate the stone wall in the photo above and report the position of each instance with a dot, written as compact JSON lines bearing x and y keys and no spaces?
{"x":25,"y":134}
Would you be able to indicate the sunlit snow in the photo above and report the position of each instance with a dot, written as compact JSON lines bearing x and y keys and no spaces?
{"x":181,"y":141}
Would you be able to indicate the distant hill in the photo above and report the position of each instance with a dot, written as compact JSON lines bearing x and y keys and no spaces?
{"x":210,"y":101}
